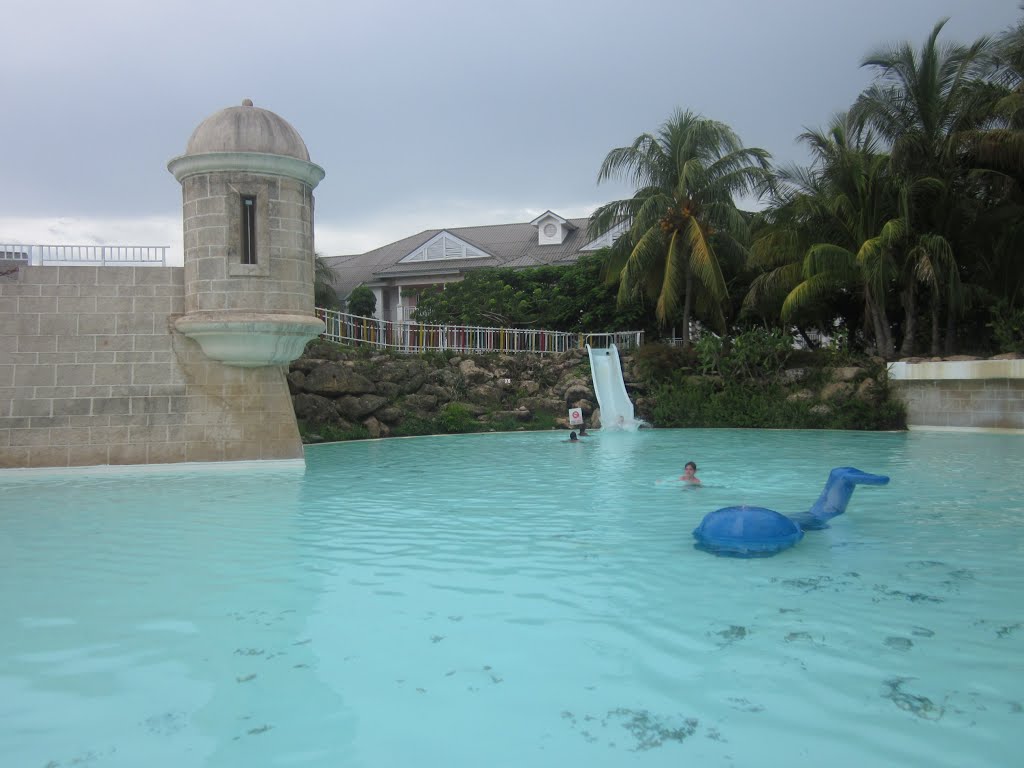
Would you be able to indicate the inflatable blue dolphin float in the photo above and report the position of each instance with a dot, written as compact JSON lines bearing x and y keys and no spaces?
{"x":760,"y":532}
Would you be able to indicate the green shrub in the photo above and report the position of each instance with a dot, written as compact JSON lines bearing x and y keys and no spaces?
{"x":362,"y":302}
{"x":412,"y":426}
{"x":659,"y":362}
{"x":754,"y":355}
{"x":725,"y":403}
{"x":455,"y":418}
{"x":1007,"y":326}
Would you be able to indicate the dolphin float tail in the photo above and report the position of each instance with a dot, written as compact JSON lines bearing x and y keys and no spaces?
{"x":839,"y":487}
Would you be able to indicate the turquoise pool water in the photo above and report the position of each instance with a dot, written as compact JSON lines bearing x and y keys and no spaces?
{"x":513,"y":600}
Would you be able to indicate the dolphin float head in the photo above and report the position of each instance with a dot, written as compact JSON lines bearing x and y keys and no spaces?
{"x":841,"y":483}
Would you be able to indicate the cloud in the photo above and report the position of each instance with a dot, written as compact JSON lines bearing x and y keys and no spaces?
{"x":144,"y":230}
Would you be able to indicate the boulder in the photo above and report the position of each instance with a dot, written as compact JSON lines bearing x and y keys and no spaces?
{"x":444,"y":377}
{"x":867,"y":390}
{"x":296,"y":381}
{"x":387,"y":389}
{"x":375,"y":429}
{"x":407,"y":374}
{"x":836,"y":390}
{"x":544,"y":404}
{"x":389,"y":415}
{"x":848,"y":373}
{"x":334,"y":379}
{"x":584,"y":405}
{"x":821,"y":409}
{"x":443,"y":394}
{"x":473,"y":373}
{"x":305,"y":364}
{"x":420,"y":402}
{"x":576,"y":391}
{"x":485,"y":394}
{"x":356,"y":408}
{"x":314,"y":408}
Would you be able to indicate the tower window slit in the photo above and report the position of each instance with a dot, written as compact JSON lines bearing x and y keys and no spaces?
{"x":248,"y":229}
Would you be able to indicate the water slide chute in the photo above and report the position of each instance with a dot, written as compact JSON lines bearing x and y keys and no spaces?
{"x":610,"y":389}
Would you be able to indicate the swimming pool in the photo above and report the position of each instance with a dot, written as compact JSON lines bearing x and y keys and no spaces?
{"x":512,"y":600}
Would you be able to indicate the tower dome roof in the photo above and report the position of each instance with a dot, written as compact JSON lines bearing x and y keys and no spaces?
{"x":247,"y":129}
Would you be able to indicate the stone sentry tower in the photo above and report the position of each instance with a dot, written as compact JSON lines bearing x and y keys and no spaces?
{"x":247,"y":191}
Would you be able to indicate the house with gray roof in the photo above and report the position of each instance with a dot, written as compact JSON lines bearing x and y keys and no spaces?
{"x":398,"y":272}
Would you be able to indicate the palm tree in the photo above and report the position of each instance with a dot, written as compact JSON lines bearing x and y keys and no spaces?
{"x":682,"y":217}
{"x":324,"y":278}
{"x":829,"y":238}
{"x":1000,"y":147}
{"x":925,"y":103}
{"x":998,"y":152}
{"x":849,"y":200}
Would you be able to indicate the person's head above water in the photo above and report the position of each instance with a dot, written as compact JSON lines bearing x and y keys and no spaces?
{"x":583,"y":430}
{"x":572,"y":436}
{"x":690,"y":465}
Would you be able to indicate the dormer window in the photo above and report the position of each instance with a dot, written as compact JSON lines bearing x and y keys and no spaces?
{"x":552,"y":229}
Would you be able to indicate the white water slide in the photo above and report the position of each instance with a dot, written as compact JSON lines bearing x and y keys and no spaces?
{"x":610,"y":388}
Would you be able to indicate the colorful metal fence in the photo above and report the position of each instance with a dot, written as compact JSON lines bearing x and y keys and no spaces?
{"x":412,"y":337}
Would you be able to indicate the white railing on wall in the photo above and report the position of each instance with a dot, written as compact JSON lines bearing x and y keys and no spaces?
{"x":71,"y":255}
{"x":424,"y":337}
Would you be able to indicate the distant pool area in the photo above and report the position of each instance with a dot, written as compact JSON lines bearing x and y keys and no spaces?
{"x":512,"y":600}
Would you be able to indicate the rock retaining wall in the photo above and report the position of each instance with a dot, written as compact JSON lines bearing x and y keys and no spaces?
{"x":342,"y":390}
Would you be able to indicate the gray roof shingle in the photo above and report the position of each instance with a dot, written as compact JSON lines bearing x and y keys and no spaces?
{"x":509,"y":245}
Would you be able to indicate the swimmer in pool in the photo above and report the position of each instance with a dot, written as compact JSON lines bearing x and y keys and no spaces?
{"x":690,"y":474}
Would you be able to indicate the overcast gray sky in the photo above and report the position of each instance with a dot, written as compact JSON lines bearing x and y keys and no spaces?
{"x":424,"y":114}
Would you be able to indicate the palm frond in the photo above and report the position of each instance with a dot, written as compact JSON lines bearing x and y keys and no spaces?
{"x":807,"y":293}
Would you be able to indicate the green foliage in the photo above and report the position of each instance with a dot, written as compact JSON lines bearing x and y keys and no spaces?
{"x":455,"y":418}
{"x":569,"y":298}
{"x":656,"y":363}
{"x":324,"y":277}
{"x":754,"y":355}
{"x":1007,"y":326}
{"x":716,"y":403}
{"x":683,"y":222}
{"x":362,"y":302}
{"x":412,"y":426}
{"x":747,"y":388}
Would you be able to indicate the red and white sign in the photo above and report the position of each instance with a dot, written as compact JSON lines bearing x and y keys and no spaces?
{"x":575,"y":416}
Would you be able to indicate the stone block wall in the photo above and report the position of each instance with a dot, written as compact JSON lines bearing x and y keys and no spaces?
{"x":91,"y":373}
{"x":962,"y":394}
{"x":215,"y":277}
